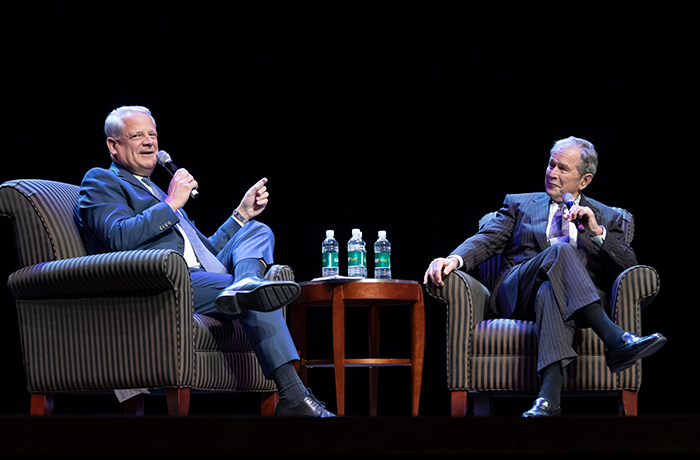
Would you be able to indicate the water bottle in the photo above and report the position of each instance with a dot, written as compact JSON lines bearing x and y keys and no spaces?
{"x":382,"y":257}
{"x":329,"y":255}
{"x":357,"y":255}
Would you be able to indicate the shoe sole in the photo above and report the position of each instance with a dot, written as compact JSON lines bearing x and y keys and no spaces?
{"x":617,"y":367}
{"x":263,"y":298}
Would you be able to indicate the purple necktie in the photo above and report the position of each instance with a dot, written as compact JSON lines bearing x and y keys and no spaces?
{"x":559,"y":228}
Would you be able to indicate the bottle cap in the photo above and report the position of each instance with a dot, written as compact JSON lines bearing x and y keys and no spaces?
{"x":330,"y":233}
{"x":356,"y":231}
{"x":382,"y":233}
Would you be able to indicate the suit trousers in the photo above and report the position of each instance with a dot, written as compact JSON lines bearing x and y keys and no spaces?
{"x":267,"y":332}
{"x":548,"y":289}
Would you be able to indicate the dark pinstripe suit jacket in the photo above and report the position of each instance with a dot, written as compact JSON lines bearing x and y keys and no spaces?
{"x":518,"y":232}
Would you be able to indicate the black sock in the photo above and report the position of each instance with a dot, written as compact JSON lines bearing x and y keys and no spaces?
{"x":552,"y":382}
{"x":249,"y":267}
{"x":594,"y":316}
{"x":290,"y":387}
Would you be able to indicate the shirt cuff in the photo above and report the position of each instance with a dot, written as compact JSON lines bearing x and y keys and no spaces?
{"x":600,"y":239}
{"x":459,"y":258}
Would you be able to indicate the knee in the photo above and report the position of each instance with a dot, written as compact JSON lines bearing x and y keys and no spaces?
{"x":561,"y":252}
{"x":258,"y":231}
{"x":258,"y":227}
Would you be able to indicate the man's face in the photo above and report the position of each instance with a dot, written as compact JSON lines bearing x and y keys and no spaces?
{"x":562,"y":174}
{"x":137,"y":147}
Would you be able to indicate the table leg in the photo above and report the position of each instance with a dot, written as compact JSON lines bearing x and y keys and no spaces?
{"x":339,"y":347}
{"x":417,"y":350}
{"x":373,"y":353}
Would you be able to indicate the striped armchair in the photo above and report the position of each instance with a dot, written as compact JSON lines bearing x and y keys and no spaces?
{"x":489,"y":357}
{"x":122,"y":320}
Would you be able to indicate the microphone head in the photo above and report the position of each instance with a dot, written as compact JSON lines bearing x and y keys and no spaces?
{"x":569,"y":199}
{"x":163,"y":157}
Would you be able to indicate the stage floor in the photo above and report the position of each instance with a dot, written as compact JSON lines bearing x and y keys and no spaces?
{"x":158,"y":436}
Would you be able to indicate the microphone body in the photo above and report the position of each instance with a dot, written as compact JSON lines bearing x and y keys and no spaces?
{"x":167,"y":162}
{"x":570,"y":201}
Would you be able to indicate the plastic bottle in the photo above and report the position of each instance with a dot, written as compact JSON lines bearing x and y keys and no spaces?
{"x":357,"y":255}
{"x":382,"y":257}
{"x":329,"y":255}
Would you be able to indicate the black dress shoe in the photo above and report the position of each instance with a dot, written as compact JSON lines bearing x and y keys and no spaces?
{"x":632,"y":349}
{"x":542,"y":408}
{"x":257,"y":294}
{"x":308,"y":407}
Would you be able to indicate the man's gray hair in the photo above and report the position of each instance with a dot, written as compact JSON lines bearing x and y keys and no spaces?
{"x":114,"y":123}
{"x":589,"y":157}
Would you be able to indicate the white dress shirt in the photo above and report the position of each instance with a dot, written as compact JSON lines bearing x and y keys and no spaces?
{"x":190,"y":256}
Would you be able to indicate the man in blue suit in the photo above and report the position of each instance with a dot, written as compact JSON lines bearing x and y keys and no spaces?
{"x":559,"y":266}
{"x":121,"y":209}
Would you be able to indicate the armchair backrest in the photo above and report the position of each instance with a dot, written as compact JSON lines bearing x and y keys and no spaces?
{"x":44,"y":217}
{"x":490,"y":269}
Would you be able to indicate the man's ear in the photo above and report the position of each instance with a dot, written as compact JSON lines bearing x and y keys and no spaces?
{"x":585,"y":180}
{"x":112,"y":146}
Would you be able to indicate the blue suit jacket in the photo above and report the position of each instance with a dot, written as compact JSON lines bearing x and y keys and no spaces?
{"x":117,"y":212}
{"x":518,"y":232}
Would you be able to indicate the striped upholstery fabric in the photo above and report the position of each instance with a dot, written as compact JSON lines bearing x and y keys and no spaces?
{"x":224,"y":357}
{"x":103,"y":335}
{"x":93,"y":323}
{"x":44,"y":217}
{"x":497,"y":356}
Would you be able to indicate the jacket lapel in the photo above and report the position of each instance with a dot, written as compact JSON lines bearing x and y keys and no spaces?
{"x":540,"y":216}
{"x":584,"y":240}
{"x":585,"y":202}
{"x":130,"y":178}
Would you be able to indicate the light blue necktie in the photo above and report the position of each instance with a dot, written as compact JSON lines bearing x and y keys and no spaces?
{"x":204,"y":255}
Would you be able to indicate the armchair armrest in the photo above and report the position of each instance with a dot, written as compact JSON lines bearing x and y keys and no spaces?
{"x":467,"y":301}
{"x":101,"y":273}
{"x":633,"y":291}
{"x":116,"y":320}
{"x":462,"y":293}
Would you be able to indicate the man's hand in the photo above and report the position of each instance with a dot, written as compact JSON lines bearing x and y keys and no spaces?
{"x":438,"y":268}
{"x":255,"y":200}
{"x":586,"y":217}
{"x":179,"y":189}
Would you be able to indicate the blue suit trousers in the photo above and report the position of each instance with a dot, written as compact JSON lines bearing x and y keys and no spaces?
{"x":267,"y":332}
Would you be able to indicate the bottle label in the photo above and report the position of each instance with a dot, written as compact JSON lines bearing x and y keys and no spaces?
{"x":357,"y":259}
{"x":329,"y":260}
{"x":382,"y":260}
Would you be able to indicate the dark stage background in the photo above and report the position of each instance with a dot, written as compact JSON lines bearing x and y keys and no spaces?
{"x":414,"y":118}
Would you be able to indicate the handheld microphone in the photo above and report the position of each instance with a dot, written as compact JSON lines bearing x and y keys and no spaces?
{"x":165,"y":160}
{"x":570,"y":201}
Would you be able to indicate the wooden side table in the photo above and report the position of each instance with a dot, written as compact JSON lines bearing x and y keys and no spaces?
{"x":372,"y":293}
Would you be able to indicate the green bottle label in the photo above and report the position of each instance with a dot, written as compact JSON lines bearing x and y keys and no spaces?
{"x":382,"y":260}
{"x":357,"y":259}
{"x":329,"y":260}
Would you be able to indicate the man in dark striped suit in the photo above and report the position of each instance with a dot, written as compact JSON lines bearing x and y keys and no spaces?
{"x":559,"y":266}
